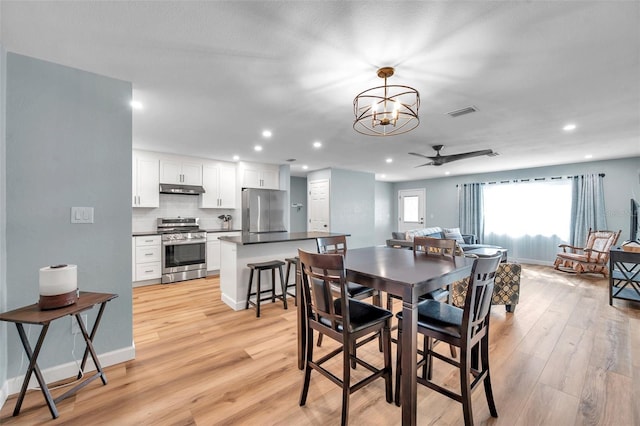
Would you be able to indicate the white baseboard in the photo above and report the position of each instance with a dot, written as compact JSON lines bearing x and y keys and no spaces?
{"x":4,"y":393}
{"x":64,"y":371}
{"x":532,"y":262}
{"x":236,"y":306}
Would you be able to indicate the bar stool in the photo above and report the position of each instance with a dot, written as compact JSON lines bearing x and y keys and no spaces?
{"x":265,"y":266}
{"x":291,"y":261}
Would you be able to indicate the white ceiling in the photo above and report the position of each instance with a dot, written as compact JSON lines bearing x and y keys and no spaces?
{"x":213,"y":75}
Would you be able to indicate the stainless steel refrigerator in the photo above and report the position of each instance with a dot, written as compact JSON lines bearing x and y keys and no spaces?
{"x":263,"y":210}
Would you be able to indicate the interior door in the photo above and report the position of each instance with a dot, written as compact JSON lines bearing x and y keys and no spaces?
{"x":318,"y":202}
{"x":411,"y":207}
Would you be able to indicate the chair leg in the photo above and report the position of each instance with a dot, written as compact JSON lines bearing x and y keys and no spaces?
{"x":428,"y":365}
{"x":258,"y":295}
{"x":246,"y":306}
{"x":273,"y":286}
{"x":346,"y":381}
{"x":283,"y":287}
{"x":453,"y":351}
{"x":487,"y":380}
{"x":320,"y":339}
{"x":465,"y":386}
{"x":510,"y":308}
{"x":386,"y":338}
{"x":398,"y":363}
{"x":307,"y":368}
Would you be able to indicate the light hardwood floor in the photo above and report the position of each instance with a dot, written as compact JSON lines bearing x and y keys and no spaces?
{"x":565,"y":357}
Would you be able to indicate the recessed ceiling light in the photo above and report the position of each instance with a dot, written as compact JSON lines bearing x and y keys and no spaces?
{"x":305,"y":167}
{"x":317,"y":144}
{"x":136,"y":104}
{"x":236,"y":157}
{"x":447,"y":173}
{"x":257,"y":148}
{"x":569,"y":127}
{"x":389,"y":160}
{"x":266,"y":133}
{"x":383,"y":176}
{"x":588,"y":156}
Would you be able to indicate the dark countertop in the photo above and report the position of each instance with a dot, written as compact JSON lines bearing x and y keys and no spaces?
{"x":277,"y":237}
{"x":145,"y":233}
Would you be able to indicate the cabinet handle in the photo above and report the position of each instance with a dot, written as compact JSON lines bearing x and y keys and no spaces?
{"x":148,"y":271}
{"x":148,"y":254}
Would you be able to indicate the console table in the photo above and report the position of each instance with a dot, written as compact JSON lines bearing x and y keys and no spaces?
{"x":624,"y":275}
{"x":33,"y":315}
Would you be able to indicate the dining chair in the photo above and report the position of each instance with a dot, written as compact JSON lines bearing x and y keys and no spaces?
{"x":443,"y":247}
{"x":437,"y":247}
{"x":338,"y":245}
{"x":466,"y":328}
{"x":329,"y":310}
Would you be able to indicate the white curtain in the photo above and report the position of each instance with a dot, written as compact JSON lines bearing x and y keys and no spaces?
{"x":529,"y":218}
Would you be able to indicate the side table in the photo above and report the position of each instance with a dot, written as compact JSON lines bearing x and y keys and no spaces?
{"x":624,"y":275}
{"x":33,"y":315}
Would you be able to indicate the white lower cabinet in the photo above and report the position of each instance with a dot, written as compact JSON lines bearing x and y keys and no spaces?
{"x":213,"y":248}
{"x":147,"y":258}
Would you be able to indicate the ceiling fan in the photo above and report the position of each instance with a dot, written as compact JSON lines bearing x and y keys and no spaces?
{"x":439,"y":160}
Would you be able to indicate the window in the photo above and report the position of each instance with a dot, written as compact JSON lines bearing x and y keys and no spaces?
{"x":540,"y":208}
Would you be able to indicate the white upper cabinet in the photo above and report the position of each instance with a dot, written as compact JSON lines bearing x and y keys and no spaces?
{"x":219,"y":181}
{"x":145,"y":180}
{"x":260,"y":176}
{"x":180,"y":171}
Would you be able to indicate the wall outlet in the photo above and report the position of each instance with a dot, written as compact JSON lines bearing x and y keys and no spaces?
{"x":75,"y":328}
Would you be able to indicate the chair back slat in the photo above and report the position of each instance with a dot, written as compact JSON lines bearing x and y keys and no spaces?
{"x":434,"y":246}
{"x":479,"y":295}
{"x":323,"y":283}
{"x":332,"y":245}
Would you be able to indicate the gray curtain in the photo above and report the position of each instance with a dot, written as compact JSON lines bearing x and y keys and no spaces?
{"x":587,"y":207}
{"x":471,"y":210}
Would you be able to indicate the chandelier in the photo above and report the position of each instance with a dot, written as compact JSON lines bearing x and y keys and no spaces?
{"x":386,"y":110}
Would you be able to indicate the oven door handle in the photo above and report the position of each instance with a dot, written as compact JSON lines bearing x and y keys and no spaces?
{"x":183,"y":242}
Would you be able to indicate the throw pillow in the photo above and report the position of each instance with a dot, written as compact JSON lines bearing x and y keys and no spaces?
{"x":453,"y":234}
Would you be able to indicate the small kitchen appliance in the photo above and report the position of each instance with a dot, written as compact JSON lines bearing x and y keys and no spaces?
{"x":58,"y":286}
{"x":184,"y":249}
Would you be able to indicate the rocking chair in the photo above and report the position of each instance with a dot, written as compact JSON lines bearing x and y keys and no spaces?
{"x":594,"y":257}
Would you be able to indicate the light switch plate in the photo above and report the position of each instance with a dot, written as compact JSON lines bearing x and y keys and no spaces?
{"x":81,"y":214}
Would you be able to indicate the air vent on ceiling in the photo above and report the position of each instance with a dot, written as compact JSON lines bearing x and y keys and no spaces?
{"x":463,"y":111}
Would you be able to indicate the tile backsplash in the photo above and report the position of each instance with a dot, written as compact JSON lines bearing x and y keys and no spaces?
{"x":174,"y":205}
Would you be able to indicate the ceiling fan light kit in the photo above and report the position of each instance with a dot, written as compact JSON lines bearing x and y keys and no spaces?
{"x":386,"y":110}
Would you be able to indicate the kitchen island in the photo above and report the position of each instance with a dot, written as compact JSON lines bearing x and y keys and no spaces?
{"x":236,"y":252}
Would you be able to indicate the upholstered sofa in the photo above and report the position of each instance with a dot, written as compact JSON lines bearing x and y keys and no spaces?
{"x":465,"y":241}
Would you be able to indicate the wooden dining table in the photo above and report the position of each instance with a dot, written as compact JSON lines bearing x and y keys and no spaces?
{"x":407,"y":276}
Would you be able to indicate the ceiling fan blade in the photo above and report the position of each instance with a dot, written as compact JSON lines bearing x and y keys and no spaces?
{"x":455,"y":157}
{"x":422,"y":155}
{"x":426,"y":164}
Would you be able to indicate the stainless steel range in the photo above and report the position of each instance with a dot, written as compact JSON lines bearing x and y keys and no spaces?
{"x":184,"y":249}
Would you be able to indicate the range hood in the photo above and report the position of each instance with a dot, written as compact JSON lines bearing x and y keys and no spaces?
{"x":167,"y":188}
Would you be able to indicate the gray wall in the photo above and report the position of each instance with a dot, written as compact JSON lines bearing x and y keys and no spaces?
{"x":353,"y":206}
{"x":384,"y":215}
{"x":298,"y":196}
{"x":622,"y":182}
{"x":3,"y":226}
{"x":68,"y":144}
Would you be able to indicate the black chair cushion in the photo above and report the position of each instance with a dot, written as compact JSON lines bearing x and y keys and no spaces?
{"x":439,"y":316}
{"x":438,"y":294}
{"x":361,"y":314}
{"x":356,"y":290}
